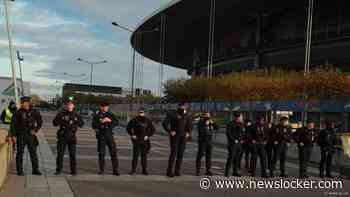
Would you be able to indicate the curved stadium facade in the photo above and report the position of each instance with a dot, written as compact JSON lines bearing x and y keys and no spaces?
{"x":248,"y":34}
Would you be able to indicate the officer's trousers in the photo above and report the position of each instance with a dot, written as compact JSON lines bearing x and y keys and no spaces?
{"x":30,"y":142}
{"x":204,"y":148}
{"x":62,"y":143}
{"x":142,"y":148}
{"x":233,"y":159}
{"x":103,"y":142}
{"x":258,"y":151}
{"x":177,"y":149}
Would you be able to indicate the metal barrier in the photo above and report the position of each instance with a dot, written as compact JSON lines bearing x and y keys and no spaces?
{"x":5,"y":155}
{"x":343,"y":160}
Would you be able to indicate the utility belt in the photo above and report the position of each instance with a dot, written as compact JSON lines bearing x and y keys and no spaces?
{"x":104,"y":132}
{"x":66,"y":132}
{"x":27,"y":132}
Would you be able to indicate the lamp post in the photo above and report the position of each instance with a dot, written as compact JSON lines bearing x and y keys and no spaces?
{"x":133,"y":57}
{"x":20,"y":59}
{"x":9,"y":36}
{"x":92,"y":64}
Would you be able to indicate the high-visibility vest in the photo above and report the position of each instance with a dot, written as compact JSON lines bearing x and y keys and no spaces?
{"x":8,"y":116}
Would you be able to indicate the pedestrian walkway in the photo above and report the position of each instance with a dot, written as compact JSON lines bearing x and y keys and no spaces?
{"x":47,"y":185}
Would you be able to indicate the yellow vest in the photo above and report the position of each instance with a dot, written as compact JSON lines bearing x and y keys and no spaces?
{"x":8,"y":116}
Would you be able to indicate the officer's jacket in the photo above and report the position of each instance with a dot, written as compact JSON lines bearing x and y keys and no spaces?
{"x":104,"y":128}
{"x":180,"y":123}
{"x":141,"y":127}
{"x":281,"y":134}
{"x":305,"y":137}
{"x":327,"y":138}
{"x":206,"y":130}
{"x":260,"y":133}
{"x":235,"y":132}
{"x":247,"y":134}
{"x":68,"y":122}
{"x":23,"y":122}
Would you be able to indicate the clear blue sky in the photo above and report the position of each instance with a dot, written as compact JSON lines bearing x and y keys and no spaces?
{"x":52,"y":34}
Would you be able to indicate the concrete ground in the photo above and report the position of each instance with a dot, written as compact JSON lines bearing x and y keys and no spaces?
{"x":88,"y":183}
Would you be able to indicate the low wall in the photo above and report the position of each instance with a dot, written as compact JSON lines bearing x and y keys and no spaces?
{"x":5,"y":155}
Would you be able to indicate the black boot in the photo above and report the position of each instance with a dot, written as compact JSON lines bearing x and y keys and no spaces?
{"x":209,"y":173}
{"x":37,"y":172}
{"x":169,"y":174}
{"x":116,"y":173}
{"x":132,"y":172}
{"x":144,"y":172}
{"x":197,"y":172}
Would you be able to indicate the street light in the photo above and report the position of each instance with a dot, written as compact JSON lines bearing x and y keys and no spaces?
{"x":92,"y":64}
{"x":134,"y":55}
{"x":20,"y":59}
{"x":92,"y":69}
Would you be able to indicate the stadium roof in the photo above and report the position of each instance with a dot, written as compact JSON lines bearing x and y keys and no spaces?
{"x":187,"y":25}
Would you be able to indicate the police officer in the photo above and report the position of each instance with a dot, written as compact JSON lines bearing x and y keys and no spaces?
{"x":281,"y":136}
{"x":68,"y":122}
{"x":258,"y":140}
{"x":304,"y":137}
{"x":206,"y":126}
{"x":327,"y":141}
{"x":247,"y":144}
{"x":178,"y":124}
{"x":25,"y":123}
{"x":269,"y":147}
{"x":140,"y":130}
{"x":8,"y":112}
{"x":234,"y":133}
{"x":103,"y":122}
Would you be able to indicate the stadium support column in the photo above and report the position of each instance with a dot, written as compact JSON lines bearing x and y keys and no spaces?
{"x":211,"y":38}
{"x":257,"y":60}
{"x":162,"y":53}
{"x":309,"y":36}
{"x":308,"y":54}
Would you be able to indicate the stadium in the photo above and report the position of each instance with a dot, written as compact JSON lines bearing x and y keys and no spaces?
{"x":246,"y":34}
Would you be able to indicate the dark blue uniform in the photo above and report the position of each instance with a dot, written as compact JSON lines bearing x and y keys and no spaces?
{"x":234,"y":145}
{"x":181,"y":124}
{"x":23,"y":123}
{"x":104,"y":135}
{"x":327,"y":141}
{"x":205,"y":131}
{"x":68,"y":123}
{"x":258,"y":139}
{"x":280,"y":137}
{"x":140,"y":127}
{"x":304,"y":138}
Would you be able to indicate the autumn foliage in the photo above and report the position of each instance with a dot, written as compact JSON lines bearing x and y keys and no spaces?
{"x":262,"y":85}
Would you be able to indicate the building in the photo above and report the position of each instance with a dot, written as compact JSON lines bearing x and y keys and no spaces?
{"x":250,"y":34}
{"x":247,"y":34}
{"x":7,"y":90}
{"x":70,"y":88}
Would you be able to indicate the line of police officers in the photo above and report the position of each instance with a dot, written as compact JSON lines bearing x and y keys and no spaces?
{"x":265,"y":143}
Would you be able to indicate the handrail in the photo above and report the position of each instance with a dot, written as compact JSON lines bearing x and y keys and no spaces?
{"x":5,"y":155}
